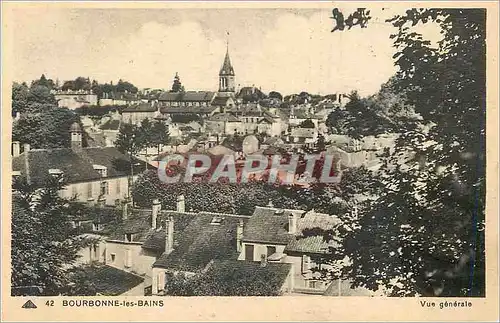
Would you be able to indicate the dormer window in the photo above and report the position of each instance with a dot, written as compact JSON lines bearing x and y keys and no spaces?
{"x":102,"y":170}
{"x":128,"y":237}
{"x":279,"y":212}
{"x":217,"y":220}
{"x":55,"y":172}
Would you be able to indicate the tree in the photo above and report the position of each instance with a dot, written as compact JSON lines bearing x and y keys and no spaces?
{"x":320,"y":143}
{"x":227,"y":279}
{"x":49,"y":129}
{"x":177,"y":85}
{"x":160,"y":135}
{"x":130,"y":140}
{"x":275,"y":95}
{"x":424,"y":233}
{"x":124,"y":86}
{"x":308,"y":123}
{"x":44,"y":246}
{"x":43,"y":81}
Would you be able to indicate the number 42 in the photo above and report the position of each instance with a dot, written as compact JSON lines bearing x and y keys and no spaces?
{"x":49,"y":303}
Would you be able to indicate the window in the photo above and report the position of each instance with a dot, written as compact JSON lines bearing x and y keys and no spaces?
{"x":113,"y":257}
{"x":271,"y":250}
{"x":118,"y":182}
{"x":104,"y":188}
{"x":314,"y":284}
{"x":74,"y":190}
{"x":128,"y":237}
{"x":249,"y":252}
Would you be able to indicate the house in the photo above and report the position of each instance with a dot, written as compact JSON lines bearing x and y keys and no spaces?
{"x":207,"y":238}
{"x":277,"y":234}
{"x":304,"y":136}
{"x":75,"y":99}
{"x":110,"y":130}
{"x":187,"y":103}
{"x":223,"y":123}
{"x":134,"y":114}
{"x":90,"y":173}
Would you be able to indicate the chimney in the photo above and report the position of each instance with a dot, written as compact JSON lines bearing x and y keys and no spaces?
{"x":155,"y":212}
{"x":181,"y":205}
{"x":169,"y":239}
{"x":292,"y":223}
{"x":239,"y":235}
{"x":26,"y":147}
{"x":101,"y":200}
{"x":16,"y":148}
{"x":263,"y":260}
{"x":125,"y":208}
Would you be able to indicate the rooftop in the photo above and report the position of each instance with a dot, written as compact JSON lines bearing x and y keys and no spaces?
{"x":76,"y":166}
{"x":201,"y":242}
{"x":188,"y":96}
{"x":110,"y":281}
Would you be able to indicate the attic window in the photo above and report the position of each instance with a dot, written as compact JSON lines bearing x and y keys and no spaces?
{"x":217,"y":220}
{"x":102,"y":170}
{"x":279,"y":212}
{"x":96,"y":226}
{"x":128,"y":237}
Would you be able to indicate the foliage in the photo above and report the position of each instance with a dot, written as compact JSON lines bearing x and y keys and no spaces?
{"x":177,"y":85}
{"x":308,"y":123}
{"x":423,"y":234}
{"x":80,"y":83}
{"x":237,"y":278}
{"x":98,"y":111}
{"x":49,"y":129}
{"x":275,"y":95}
{"x":43,"y":81}
{"x":43,"y":244}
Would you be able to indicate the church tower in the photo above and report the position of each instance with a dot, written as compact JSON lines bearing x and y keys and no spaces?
{"x":226,"y":75}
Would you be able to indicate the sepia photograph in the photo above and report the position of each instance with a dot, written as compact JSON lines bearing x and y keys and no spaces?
{"x":327,"y":151}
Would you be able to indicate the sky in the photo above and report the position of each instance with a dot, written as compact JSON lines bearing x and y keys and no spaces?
{"x":286,"y":50}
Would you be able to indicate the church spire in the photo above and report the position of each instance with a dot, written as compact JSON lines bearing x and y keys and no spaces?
{"x":227,"y":68}
{"x":226,"y":73}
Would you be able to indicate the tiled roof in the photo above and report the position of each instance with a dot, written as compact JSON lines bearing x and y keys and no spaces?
{"x":202,"y":242}
{"x":220,"y":100}
{"x":224,"y":117}
{"x":189,"y":96}
{"x":191,"y":109}
{"x":303,"y":132}
{"x":220,"y":150}
{"x":315,"y":244}
{"x":110,"y":281}
{"x":155,"y":239}
{"x":273,"y":140}
{"x":266,"y":225}
{"x":141,"y":107}
{"x":76,"y":166}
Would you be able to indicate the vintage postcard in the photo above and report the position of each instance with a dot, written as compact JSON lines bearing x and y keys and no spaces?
{"x":249,"y":161}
